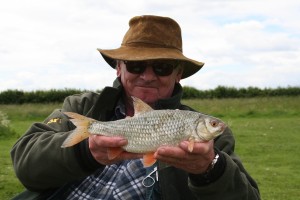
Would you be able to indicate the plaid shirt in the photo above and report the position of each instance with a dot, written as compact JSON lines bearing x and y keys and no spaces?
{"x":117,"y":181}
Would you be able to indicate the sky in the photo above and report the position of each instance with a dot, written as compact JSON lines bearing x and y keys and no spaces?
{"x":53,"y":44}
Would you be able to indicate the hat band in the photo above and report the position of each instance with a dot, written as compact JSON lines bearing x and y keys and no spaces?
{"x":148,"y":45}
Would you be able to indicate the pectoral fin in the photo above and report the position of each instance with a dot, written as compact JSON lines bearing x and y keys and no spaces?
{"x":191,"y":144}
{"x":148,"y":159}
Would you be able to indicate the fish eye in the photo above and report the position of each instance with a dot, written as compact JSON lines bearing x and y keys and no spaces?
{"x":213,"y":123}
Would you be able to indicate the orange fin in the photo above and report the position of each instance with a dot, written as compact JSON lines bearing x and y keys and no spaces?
{"x":148,"y":159}
{"x":113,"y":152}
{"x":140,"y":106}
{"x":191,"y":144}
{"x":81,"y":132}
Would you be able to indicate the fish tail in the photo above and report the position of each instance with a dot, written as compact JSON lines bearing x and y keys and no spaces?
{"x":81,"y":132}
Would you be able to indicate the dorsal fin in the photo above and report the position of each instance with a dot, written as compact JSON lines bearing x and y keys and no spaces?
{"x":140,"y":106}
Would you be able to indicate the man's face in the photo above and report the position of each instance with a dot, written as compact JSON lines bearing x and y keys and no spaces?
{"x":145,"y":82}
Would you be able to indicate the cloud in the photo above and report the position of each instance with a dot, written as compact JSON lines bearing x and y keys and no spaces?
{"x":52,"y":44}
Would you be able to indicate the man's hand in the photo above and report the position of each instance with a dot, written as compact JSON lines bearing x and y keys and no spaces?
{"x":195,"y":162}
{"x":99,"y":146}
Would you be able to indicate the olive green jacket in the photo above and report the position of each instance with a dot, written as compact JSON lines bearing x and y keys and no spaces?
{"x":43,"y":166}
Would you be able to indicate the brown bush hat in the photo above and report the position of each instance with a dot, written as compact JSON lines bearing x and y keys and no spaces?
{"x":149,"y":38}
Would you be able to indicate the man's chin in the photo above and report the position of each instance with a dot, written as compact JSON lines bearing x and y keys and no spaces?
{"x":148,"y":98}
{"x":148,"y":95}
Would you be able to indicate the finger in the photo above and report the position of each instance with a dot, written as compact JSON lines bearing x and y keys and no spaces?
{"x":179,"y":162}
{"x":193,"y":163}
{"x":176,"y":152}
{"x":100,"y":155}
{"x":121,"y":157}
{"x":128,"y":156}
{"x":172,"y":152}
{"x":174,"y":155}
{"x":198,"y":148}
{"x":105,"y":141}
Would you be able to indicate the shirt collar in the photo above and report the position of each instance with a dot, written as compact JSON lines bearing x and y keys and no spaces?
{"x":120,"y":112}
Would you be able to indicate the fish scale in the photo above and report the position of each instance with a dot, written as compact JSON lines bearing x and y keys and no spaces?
{"x":148,"y":131}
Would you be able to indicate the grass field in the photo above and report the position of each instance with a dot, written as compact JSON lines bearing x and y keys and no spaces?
{"x":267,"y":132}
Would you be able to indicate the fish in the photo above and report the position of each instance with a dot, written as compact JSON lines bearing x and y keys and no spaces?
{"x":148,"y":130}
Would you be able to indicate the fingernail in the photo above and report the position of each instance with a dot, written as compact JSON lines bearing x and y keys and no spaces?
{"x":122,"y":142}
{"x":161,"y":151}
{"x":184,"y":144}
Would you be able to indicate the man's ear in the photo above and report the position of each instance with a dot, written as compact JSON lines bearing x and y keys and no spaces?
{"x":179,"y":74}
{"x":118,"y":68}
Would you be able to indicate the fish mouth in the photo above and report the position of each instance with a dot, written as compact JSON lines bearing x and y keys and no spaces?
{"x":223,"y":127}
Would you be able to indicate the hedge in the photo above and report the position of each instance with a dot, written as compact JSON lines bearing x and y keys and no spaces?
{"x":231,"y":92}
{"x":54,"y":95}
{"x":38,"y":96}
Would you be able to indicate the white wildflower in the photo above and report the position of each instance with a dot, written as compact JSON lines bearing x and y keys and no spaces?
{"x":3,"y":119}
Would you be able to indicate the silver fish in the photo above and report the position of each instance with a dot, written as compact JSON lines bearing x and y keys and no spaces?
{"x":149,"y":129}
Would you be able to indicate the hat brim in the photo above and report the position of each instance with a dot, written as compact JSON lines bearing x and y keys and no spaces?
{"x":139,"y":54}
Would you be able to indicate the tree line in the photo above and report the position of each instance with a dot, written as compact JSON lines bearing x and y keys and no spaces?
{"x":232,"y":92}
{"x":58,"y":95}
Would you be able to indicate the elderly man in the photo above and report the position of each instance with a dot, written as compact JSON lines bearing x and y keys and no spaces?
{"x":149,"y":65}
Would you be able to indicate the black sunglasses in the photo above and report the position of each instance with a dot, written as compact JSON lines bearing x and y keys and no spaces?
{"x":160,"y":68}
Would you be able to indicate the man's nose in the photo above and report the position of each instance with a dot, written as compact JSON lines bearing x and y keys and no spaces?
{"x":149,"y":74}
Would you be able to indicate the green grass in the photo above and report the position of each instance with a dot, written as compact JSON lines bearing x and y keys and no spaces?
{"x":267,"y":133}
{"x":21,"y":117}
{"x":9,"y":185}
